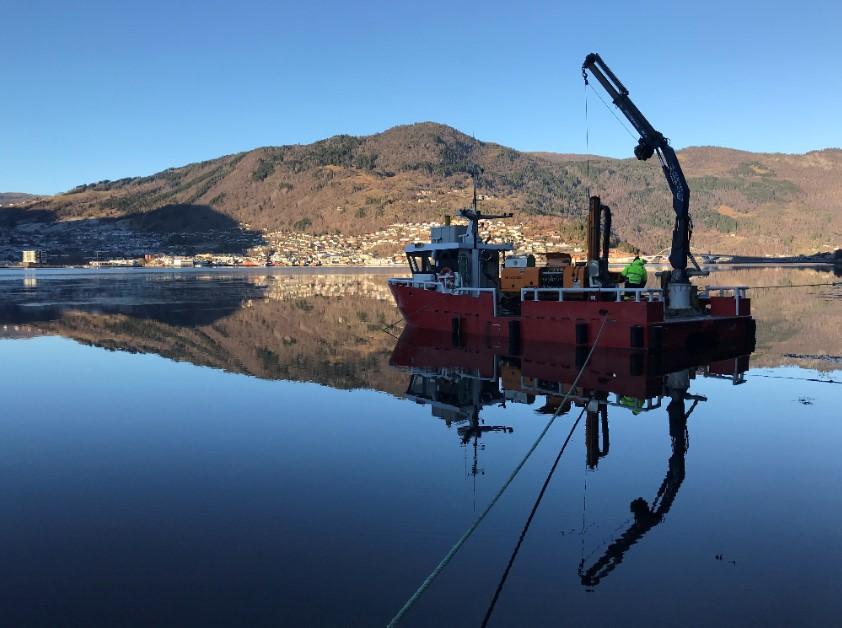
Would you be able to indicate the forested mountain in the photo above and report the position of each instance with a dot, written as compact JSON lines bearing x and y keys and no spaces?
{"x":742,"y":202}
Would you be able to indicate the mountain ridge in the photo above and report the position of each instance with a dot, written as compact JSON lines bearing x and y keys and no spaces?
{"x":418,"y":172}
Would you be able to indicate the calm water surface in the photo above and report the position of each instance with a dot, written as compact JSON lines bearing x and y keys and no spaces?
{"x":252,"y":448}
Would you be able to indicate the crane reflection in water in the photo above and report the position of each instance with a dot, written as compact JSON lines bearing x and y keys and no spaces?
{"x":459,"y":377}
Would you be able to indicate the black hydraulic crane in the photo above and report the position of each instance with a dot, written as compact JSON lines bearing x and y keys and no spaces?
{"x":653,"y":142}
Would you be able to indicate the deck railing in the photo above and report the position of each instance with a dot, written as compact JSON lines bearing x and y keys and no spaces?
{"x":409,"y":282}
{"x":620,"y":293}
{"x":735,"y":292}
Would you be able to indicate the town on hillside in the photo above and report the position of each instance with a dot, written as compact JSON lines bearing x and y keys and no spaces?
{"x":284,"y":248}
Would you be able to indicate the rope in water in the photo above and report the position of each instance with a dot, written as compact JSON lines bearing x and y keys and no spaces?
{"x":796,"y":285}
{"x":528,"y":523}
{"x":467,"y":534}
{"x":417,"y":310}
{"x":797,"y":379}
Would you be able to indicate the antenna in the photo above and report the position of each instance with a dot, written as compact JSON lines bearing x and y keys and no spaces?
{"x":475,"y":172}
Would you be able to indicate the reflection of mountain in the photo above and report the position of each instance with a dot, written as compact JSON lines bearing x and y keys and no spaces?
{"x":328,"y":327}
{"x":322,"y":328}
{"x":792,"y":321}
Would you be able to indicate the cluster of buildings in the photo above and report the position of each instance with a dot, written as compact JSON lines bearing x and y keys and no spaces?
{"x":281,"y":248}
{"x":180,"y":261}
{"x":380,"y":248}
{"x":385,"y":247}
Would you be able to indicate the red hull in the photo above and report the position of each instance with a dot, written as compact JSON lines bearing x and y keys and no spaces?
{"x":630,"y":324}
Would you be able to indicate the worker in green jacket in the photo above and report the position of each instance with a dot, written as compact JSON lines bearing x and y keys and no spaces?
{"x":632,"y":403}
{"x":635,"y":273}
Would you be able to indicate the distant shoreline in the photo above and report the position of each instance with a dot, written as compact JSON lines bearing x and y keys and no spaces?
{"x":211,"y":269}
{"x":377,"y":268}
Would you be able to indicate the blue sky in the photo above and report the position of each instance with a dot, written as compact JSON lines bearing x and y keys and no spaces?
{"x":102,"y":90}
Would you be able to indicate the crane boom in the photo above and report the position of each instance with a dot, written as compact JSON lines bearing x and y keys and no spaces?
{"x":651,"y":142}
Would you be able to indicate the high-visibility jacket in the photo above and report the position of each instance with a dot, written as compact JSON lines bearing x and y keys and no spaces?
{"x":635,"y":272}
{"x":632,"y":403}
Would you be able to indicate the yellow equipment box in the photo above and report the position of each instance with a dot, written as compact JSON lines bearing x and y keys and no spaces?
{"x":513,"y":279}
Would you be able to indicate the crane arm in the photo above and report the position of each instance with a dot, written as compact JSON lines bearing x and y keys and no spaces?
{"x":651,"y":142}
{"x":646,"y":517}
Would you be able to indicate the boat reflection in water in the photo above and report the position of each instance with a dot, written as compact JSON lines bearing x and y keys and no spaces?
{"x":460,"y":376}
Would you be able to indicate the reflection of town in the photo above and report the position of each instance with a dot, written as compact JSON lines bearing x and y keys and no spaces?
{"x":325,"y":325}
{"x":173,"y":292}
{"x":281,"y":287}
{"x":295,"y":325}
{"x":457,"y":378}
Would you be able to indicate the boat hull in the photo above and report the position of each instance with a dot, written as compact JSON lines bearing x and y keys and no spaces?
{"x":618,"y":324}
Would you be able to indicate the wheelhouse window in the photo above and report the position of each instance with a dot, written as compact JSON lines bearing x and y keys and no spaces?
{"x":420,"y":262}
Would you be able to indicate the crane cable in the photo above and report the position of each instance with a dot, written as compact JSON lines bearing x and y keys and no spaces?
{"x":616,"y":117}
{"x":587,"y":146}
{"x":467,"y":534}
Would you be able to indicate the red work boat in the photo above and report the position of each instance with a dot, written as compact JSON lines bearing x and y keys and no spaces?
{"x":458,"y":285}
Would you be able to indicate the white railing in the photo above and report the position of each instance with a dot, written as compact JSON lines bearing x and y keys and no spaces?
{"x":444,"y":283}
{"x":725,"y":291}
{"x":415,"y":283}
{"x":474,"y":291}
{"x":648,"y":294}
{"x":735,"y":292}
{"x":453,"y":373}
{"x":560,"y":389}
